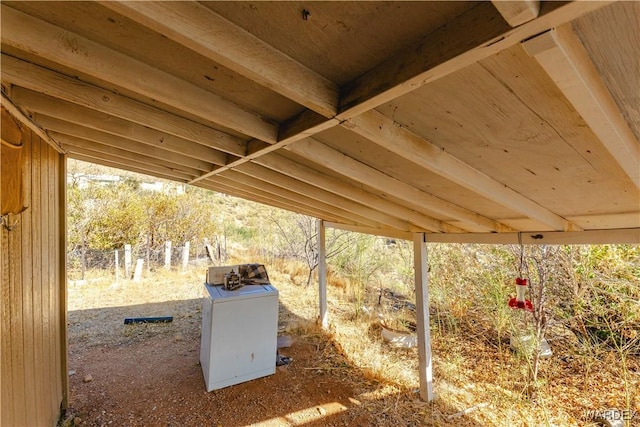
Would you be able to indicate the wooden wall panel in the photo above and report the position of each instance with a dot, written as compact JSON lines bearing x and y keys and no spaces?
{"x":39,"y":334}
{"x":6,"y":371}
{"x":31,"y":151}
{"x":33,"y":355}
{"x":16,"y":338}
{"x":53,"y":280}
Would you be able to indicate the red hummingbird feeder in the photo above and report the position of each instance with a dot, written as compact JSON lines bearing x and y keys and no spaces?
{"x":519,"y":301}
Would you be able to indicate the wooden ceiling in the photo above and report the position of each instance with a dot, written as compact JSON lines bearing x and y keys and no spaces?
{"x":465,"y":120}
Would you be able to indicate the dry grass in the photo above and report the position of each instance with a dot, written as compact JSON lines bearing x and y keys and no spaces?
{"x":161,"y":294}
{"x":472,"y":370}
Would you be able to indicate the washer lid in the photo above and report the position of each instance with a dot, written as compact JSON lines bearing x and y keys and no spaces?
{"x":247,"y":291}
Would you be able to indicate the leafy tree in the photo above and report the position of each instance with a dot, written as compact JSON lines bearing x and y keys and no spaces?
{"x":116,"y":214}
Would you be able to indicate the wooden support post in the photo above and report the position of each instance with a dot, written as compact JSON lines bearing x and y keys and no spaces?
{"x":185,"y":256}
{"x":137,"y":276}
{"x":117,"y":266}
{"x":148,"y":254}
{"x":167,"y":255}
{"x":322,"y":275}
{"x":83,"y":255}
{"x":127,"y":261}
{"x":422,"y":312}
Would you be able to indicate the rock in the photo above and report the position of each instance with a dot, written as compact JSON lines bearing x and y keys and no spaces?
{"x":72,"y":372}
{"x":399,"y":339}
{"x":285,"y":341}
{"x":88,"y":378}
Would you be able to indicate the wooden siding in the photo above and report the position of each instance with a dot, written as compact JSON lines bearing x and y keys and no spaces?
{"x":33,"y":313}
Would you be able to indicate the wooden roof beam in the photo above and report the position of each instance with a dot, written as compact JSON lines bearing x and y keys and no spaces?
{"x":609,"y":220}
{"x":517,"y":12}
{"x":73,"y":143}
{"x":587,"y":237}
{"x":396,"y":234}
{"x":312,"y":124}
{"x":302,"y":199}
{"x":93,"y":156}
{"x":39,"y":79}
{"x":280,"y":163}
{"x":21,"y":31}
{"x":56,"y":126}
{"x":248,"y":184}
{"x":202,"y":30}
{"x":38,"y":103}
{"x":321,"y":195}
{"x":235,"y":191}
{"x":567,"y":62}
{"x":383,"y":131}
{"x":345,"y":165}
{"x":268,"y":200}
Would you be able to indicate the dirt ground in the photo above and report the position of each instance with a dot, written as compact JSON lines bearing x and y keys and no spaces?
{"x":159,"y":381}
{"x":149,"y":374}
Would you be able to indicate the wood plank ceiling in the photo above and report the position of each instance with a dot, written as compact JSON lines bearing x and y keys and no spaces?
{"x":448,"y":118}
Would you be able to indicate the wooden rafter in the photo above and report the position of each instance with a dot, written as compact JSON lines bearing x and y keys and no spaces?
{"x":104,"y":161}
{"x":21,"y":31}
{"x":385,"y":132}
{"x":324,"y":196}
{"x":59,"y":127}
{"x":237,"y":190}
{"x":305,"y":124}
{"x":565,"y":59}
{"x":310,"y":128}
{"x":63,"y":110}
{"x":298,"y":198}
{"x":396,"y":234}
{"x":270,"y":200}
{"x":592,"y":237}
{"x":39,"y":79}
{"x":338,"y":162}
{"x":73,"y":143}
{"x":272,"y":192}
{"x":517,"y":12}
{"x":282,"y":164}
{"x":200,"y":29}
{"x":101,"y":158}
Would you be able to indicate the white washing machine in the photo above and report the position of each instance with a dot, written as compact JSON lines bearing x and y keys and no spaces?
{"x":239,"y":334}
